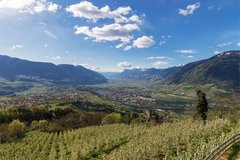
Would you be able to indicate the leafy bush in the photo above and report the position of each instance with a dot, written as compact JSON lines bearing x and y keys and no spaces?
{"x":41,"y":125}
{"x":13,"y":130}
{"x":28,"y":114}
{"x":16,"y":128}
{"x":112,"y":118}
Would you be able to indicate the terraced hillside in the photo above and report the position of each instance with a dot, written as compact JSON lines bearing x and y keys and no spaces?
{"x":180,"y":140}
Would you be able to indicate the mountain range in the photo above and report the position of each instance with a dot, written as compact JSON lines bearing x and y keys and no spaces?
{"x":150,"y":74}
{"x":222,"y":69}
{"x":23,"y":70}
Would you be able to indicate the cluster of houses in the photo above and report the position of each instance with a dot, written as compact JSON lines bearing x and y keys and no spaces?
{"x":129,"y":96}
{"x":35,"y":100}
{"x":19,"y":102}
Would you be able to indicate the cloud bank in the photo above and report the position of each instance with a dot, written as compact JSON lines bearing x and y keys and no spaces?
{"x":29,"y":6}
{"x":121,"y":31}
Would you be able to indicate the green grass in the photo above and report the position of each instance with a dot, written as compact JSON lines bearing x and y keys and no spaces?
{"x":176,"y":103}
{"x":189,"y":90}
{"x":94,"y":99}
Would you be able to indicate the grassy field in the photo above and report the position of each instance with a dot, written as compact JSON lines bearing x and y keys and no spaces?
{"x":38,"y":86}
{"x":189,"y":90}
{"x":172,"y":102}
{"x":93,"y":100}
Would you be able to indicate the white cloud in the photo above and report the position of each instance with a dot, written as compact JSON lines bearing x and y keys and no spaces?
{"x":119,"y":45}
{"x":19,"y":46}
{"x":180,"y":65}
{"x":190,"y":57}
{"x":56,"y":58}
{"x":144,"y":42}
{"x":53,"y":7}
{"x":219,"y":8}
{"x":161,"y":43}
{"x":215,"y":8}
{"x":186,"y":51}
{"x":16,"y":46}
{"x":238,"y":44}
{"x":138,"y":67}
{"x":159,"y":64}
{"x":127,"y":48}
{"x":43,"y":23}
{"x":158,"y":58}
{"x":50,"y":34}
{"x":210,"y":7}
{"x":135,"y":18}
{"x":97,"y":69}
{"x":82,"y":64}
{"x":189,"y":9}
{"x":155,"y":58}
{"x":28,"y":6}
{"x":224,"y":44}
{"x":132,"y":19}
{"x":46,"y":45}
{"x":124,"y":65}
{"x":164,"y":39}
{"x":111,"y":32}
{"x":91,"y":12}
{"x":127,"y":65}
{"x":121,"y":30}
{"x":217,"y":52}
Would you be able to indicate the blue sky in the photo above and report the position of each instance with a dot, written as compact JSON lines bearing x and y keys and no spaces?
{"x":111,"y":35}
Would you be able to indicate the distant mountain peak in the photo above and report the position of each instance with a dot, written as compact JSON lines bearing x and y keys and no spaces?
{"x":226,"y":53}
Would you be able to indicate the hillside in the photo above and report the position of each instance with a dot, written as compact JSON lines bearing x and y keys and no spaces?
{"x":22,"y":70}
{"x":222,"y":69}
{"x":151,"y":74}
{"x":179,"y":140}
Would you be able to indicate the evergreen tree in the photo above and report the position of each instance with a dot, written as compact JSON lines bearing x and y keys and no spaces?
{"x":202,"y":105}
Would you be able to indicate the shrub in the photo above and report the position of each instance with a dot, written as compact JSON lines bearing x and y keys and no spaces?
{"x":127,"y":118}
{"x":34,"y":124}
{"x":112,"y":118}
{"x":139,"y":120}
{"x":16,"y":128}
{"x":41,"y":125}
{"x":3,"y":133}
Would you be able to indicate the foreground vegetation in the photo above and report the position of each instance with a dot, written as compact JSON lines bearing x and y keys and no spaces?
{"x":180,"y":140}
{"x":234,"y":152}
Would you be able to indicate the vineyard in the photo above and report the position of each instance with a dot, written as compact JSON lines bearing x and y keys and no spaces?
{"x":180,"y":140}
